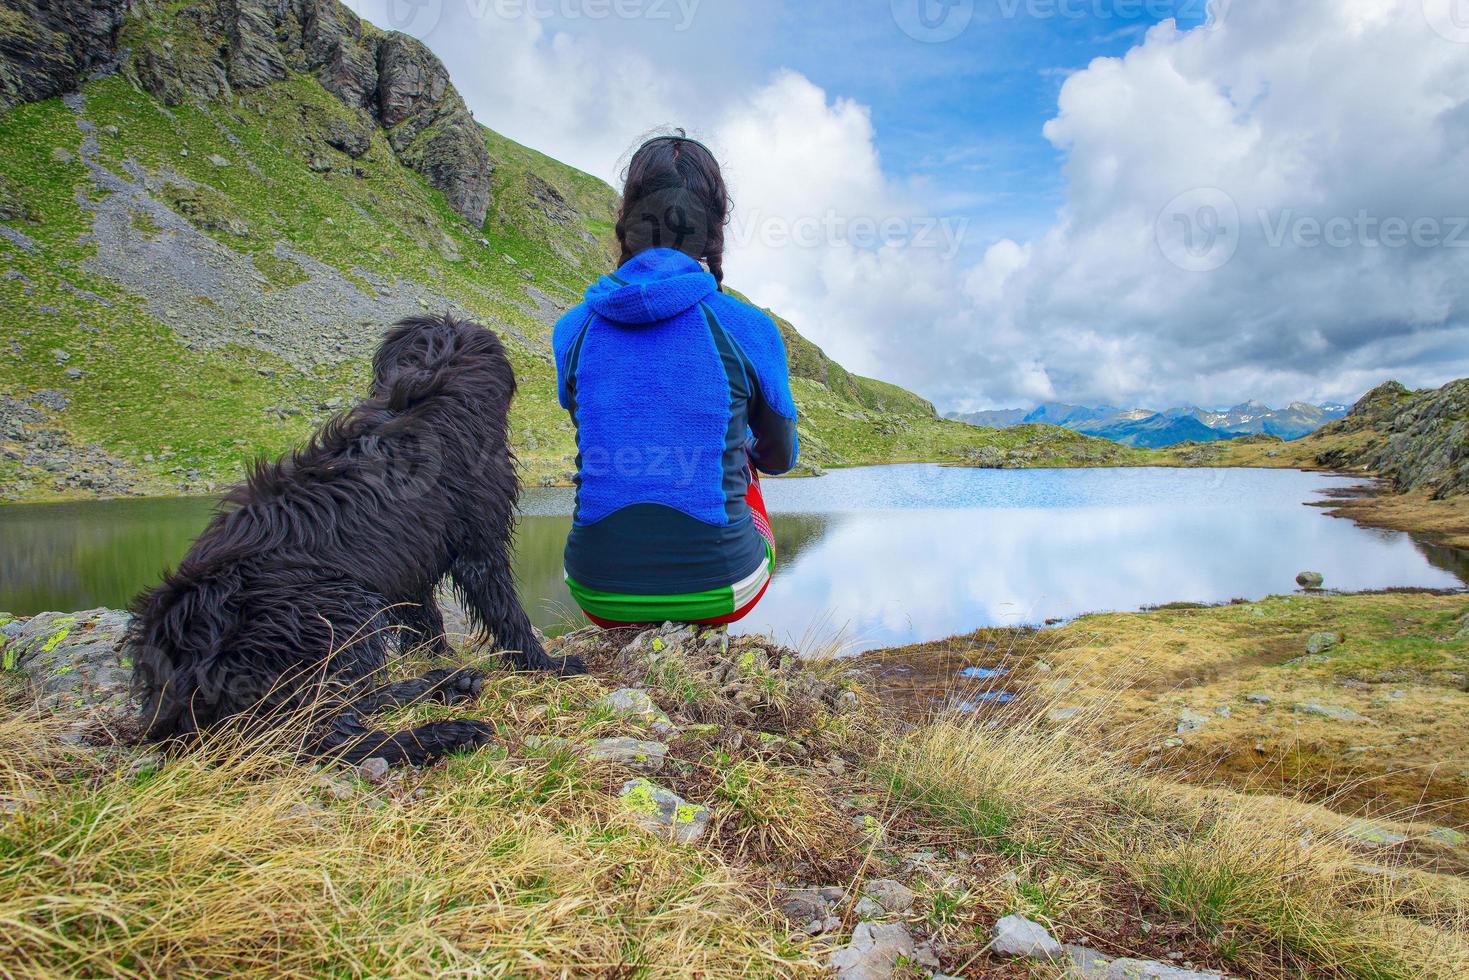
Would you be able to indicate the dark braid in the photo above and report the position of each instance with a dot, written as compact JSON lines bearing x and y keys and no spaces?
{"x":674,"y":197}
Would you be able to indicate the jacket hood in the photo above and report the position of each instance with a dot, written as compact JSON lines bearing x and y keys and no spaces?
{"x":653,"y":286}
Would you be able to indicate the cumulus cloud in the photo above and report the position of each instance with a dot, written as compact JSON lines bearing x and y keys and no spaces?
{"x":820,"y":233}
{"x":1272,"y":207}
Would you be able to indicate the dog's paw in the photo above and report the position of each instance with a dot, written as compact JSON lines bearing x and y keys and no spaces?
{"x":568,"y":666}
{"x":461,"y":686}
{"x":471,"y":735}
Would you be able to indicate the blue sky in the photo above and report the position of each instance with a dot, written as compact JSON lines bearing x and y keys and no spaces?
{"x":963,"y":117}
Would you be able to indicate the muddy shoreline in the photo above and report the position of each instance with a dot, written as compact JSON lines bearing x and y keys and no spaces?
{"x":1441,"y":522}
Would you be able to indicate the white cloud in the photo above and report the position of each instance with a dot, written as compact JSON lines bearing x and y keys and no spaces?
{"x":817,"y":228}
{"x":1294,"y":116}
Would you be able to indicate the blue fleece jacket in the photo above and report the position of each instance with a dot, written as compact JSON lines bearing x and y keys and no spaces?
{"x":675,"y":389}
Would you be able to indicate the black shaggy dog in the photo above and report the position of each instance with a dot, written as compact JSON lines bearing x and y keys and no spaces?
{"x":288,"y":603}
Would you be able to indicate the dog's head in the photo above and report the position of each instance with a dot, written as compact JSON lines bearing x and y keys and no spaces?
{"x":423,"y":356}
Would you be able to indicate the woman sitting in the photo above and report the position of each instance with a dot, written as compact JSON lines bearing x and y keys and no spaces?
{"x":680,"y":394}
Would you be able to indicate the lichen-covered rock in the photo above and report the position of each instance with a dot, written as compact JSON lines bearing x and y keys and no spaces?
{"x":651,"y":645}
{"x":635,"y":754}
{"x":810,"y":909}
{"x":1191,"y":721}
{"x":892,"y":896}
{"x":1019,"y":936}
{"x":874,"y":952}
{"x":664,"y":812}
{"x":633,"y":705}
{"x":1088,"y":964}
{"x":1310,"y":580}
{"x":1319,"y":643}
{"x":1330,"y":711}
{"x":73,"y":662}
{"x":1445,"y":835}
{"x":1370,"y":834}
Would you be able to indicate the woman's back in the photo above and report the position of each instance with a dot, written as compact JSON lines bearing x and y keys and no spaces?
{"x":666,"y":377}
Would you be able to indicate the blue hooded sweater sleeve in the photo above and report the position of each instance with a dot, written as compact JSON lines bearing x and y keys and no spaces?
{"x":776,"y":446}
{"x":564,"y":338}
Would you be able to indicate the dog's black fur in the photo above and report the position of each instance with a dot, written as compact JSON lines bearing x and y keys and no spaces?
{"x":288,"y":602}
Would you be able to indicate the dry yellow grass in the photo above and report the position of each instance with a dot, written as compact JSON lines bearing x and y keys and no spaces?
{"x":1236,"y":867}
{"x":1444,"y":520}
{"x":237,"y":862}
{"x":1241,"y":670}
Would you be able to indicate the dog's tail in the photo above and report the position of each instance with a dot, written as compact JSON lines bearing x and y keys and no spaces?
{"x":177,"y":636}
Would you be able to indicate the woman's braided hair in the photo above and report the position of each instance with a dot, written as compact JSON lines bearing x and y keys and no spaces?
{"x":674,"y":196}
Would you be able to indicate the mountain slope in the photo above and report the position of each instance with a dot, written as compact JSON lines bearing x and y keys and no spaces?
{"x":204,"y":242}
{"x":1417,"y":440}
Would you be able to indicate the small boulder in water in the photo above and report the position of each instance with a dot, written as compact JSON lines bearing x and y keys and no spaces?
{"x":1310,"y":580}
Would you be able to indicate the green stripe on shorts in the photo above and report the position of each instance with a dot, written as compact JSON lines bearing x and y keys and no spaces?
{"x":622,"y":608}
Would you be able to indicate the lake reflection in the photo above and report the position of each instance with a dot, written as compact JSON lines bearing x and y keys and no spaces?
{"x":879,"y":556}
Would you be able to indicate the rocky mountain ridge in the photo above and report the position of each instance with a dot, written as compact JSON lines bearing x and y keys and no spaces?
{"x":1147,"y":428}
{"x":211,"y":48}
{"x":1419,"y":440}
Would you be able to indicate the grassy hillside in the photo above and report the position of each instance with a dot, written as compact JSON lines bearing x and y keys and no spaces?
{"x":190,"y":285}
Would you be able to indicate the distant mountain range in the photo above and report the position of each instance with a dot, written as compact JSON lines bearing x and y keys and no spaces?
{"x":1149,"y":429}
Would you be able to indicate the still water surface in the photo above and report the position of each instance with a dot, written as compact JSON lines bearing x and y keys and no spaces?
{"x":879,"y":555}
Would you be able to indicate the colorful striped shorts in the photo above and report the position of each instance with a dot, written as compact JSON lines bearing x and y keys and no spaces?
{"x":713,"y":607}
